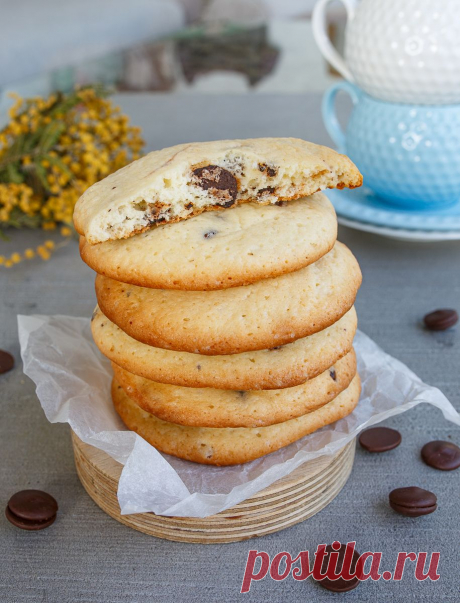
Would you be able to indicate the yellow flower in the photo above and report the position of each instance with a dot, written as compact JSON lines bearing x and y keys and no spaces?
{"x":49,"y":244}
{"x":95,"y":142}
{"x":15,"y":258}
{"x":2,"y":259}
{"x":8,"y":264}
{"x":43,"y":253}
{"x":29,"y":253}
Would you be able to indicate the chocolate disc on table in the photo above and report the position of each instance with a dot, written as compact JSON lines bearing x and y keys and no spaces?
{"x":6,"y":362}
{"x":31,"y":510}
{"x":380,"y":439}
{"x":440,"y":320}
{"x":413,"y":501}
{"x":340,"y":585}
{"x":441,"y":455}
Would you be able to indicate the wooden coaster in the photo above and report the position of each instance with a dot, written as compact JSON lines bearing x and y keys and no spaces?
{"x":288,"y":501}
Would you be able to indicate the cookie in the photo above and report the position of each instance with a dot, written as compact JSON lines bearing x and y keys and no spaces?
{"x":283,"y":366}
{"x":216,"y":250}
{"x":229,"y":446}
{"x":263,"y":315}
{"x":183,"y":181}
{"x":207,"y":407}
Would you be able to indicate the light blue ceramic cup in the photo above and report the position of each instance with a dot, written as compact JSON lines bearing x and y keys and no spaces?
{"x":409,"y":155}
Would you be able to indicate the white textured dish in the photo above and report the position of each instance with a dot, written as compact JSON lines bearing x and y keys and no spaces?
{"x":400,"y":51}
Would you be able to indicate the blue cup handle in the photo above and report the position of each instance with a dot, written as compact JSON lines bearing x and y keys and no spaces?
{"x":330,"y":116}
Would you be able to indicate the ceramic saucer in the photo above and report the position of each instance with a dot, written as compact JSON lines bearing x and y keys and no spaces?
{"x":417,"y":236}
{"x":362,"y":205}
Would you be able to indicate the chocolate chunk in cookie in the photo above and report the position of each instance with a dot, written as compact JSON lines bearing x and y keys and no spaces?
{"x":269,"y":190}
{"x":219,"y":182}
{"x":270,"y":171}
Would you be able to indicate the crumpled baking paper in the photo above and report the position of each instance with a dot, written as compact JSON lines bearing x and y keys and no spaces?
{"x":73,"y":385}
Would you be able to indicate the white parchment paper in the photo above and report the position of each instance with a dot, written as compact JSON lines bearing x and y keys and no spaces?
{"x":73,"y":386}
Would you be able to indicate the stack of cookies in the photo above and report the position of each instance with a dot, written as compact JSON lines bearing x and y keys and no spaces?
{"x":224,"y":301}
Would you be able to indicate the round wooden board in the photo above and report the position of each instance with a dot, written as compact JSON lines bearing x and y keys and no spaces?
{"x":288,"y":501}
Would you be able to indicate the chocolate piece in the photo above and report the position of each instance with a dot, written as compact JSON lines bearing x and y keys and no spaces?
{"x":31,"y":510}
{"x":333,"y":375}
{"x":227,"y":203}
{"x":340,"y":585}
{"x":440,"y":320}
{"x":441,"y":455}
{"x":380,"y":439}
{"x":6,"y":362}
{"x":269,"y":190}
{"x":270,"y":171}
{"x":219,"y":182}
{"x":210,"y":234}
{"x":413,"y":501}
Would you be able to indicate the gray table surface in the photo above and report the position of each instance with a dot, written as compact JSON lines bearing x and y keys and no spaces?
{"x":88,"y":557}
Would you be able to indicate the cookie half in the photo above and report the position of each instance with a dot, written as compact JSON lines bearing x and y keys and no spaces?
{"x":183,"y":181}
{"x":216,"y":250}
{"x":207,"y":407}
{"x":229,"y":446}
{"x":284,"y":366}
{"x":263,"y":315}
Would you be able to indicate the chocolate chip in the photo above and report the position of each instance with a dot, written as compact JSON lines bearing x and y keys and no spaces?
{"x":6,"y":362}
{"x":413,"y":501}
{"x":441,"y":455}
{"x":210,"y":234}
{"x":268,"y":190}
{"x":241,"y":393}
{"x":198,"y":366}
{"x":340,"y":585}
{"x":333,"y":374}
{"x":189,"y":206}
{"x":152,"y":213}
{"x":227,"y":203}
{"x":380,"y":439}
{"x":270,"y":171}
{"x":440,"y":320}
{"x":31,"y":510}
{"x":218,"y":181}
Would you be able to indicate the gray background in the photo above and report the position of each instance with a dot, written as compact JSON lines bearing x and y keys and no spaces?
{"x":86,"y":556}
